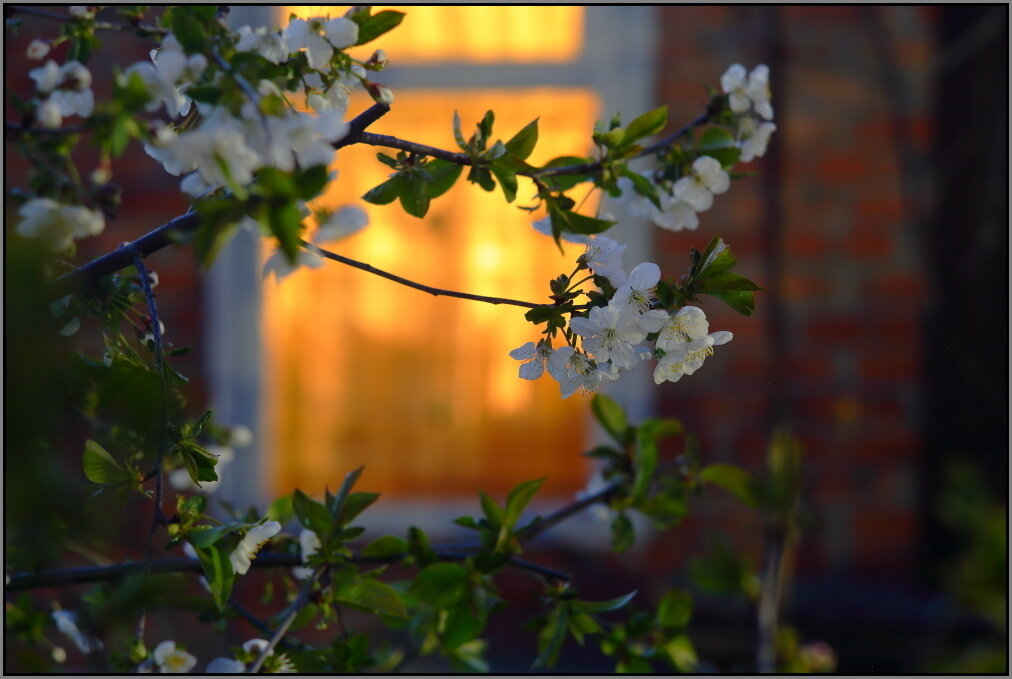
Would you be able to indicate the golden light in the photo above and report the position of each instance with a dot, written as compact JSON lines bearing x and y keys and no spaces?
{"x":421,"y":389}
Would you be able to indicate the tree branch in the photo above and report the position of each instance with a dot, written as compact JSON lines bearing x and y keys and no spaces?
{"x":541,"y":524}
{"x":293,"y":610}
{"x":15,"y":129}
{"x":100,"y":25}
{"x":87,"y":275}
{"x":411,"y":284}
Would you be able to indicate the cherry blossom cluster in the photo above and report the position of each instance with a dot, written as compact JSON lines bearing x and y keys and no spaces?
{"x":680,"y":201}
{"x":612,"y":340}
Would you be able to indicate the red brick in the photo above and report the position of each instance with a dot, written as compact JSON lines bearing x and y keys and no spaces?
{"x":868,"y":243}
{"x":898,"y":366}
{"x":883,"y":539}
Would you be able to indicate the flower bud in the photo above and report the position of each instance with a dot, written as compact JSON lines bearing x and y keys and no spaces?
{"x":38,"y":49}
{"x":379,"y":93}
{"x":101,"y":175}
{"x":48,"y":115}
{"x":378,"y":61}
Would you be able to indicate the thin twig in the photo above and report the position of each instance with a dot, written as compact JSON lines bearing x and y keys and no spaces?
{"x":411,"y":284}
{"x":540,"y":524}
{"x":100,"y":25}
{"x":293,"y":610}
{"x":15,"y":129}
{"x":390,"y":141}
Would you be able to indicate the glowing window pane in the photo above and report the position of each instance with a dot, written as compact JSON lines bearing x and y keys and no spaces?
{"x":476,"y":34}
{"x":418,"y":388}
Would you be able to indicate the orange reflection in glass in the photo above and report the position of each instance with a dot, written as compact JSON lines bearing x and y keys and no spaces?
{"x":421,"y":389}
{"x":474,"y":34}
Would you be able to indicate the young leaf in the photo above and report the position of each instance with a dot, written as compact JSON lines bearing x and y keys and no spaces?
{"x":573,"y":222}
{"x":610,"y":415}
{"x":647,"y":124}
{"x":387,"y":192}
{"x":564,"y":182}
{"x":444,"y":175}
{"x":522,"y":143}
{"x":218,"y":572}
{"x":372,"y":596}
{"x":643,"y":186}
{"x":518,"y":498}
{"x":507,"y":181}
{"x":675,"y":609}
{"x":551,"y":637}
{"x":741,"y":301}
{"x":355,"y":505}
{"x":578,"y":606}
{"x":493,"y":512}
{"x":734,"y":480}
{"x":99,"y":465}
{"x":385,"y":547}
{"x":199,"y":462}
{"x":372,"y":27}
{"x":281,"y":510}
{"x":415,"y":195}
{"x":715,"y":138}
{"x":441,"y":584}
{"x":623,"y":534}
{"x":312,"y":514}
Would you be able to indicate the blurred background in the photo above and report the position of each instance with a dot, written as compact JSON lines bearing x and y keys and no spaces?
{"x":877,"y":224}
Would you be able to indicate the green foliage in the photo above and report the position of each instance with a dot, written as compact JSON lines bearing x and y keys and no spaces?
{"x":372,"y":26}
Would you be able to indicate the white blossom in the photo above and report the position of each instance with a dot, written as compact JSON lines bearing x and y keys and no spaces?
{"x":58,"y":225}
{"x":38,"y":49}
{"x":319,"y":36}
{"x":170,"y":68}
{"x":753,"y":138}
{"x":225,"y":666}
{"x":604,"y":257}
{"x":279,"y":265}
{"x":82,"y":11}
{"x":241,"y":436}
{"x":574,"y":371}
{"x":748,"y":89}
{"x":66,"y":622}
{"x":172,"y":660}
{"x":74,"y":95}
{"x":48,"y":114}
{"x":707,"y":178}
{"x":268,"y":44}
{"x":242,"y":556}
{"x":686,"y":344}
{"x":47,"y":77}
{"x":309,"y":544}
{"x":533,"y":358}
{"x":341,"y":223}
{"x":610,"y":335}
{"x":257,"y":646}
{"x":673,"y":214}
{"x":636,"y":293}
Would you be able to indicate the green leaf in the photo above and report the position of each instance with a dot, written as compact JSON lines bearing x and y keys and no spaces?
{"x":470,"y":657}
{"x":675,"y":609}
{"x":507,"y":181}
{"x":646,"y":125}
{"x":643,"y":186}
{"x":645,"y":459}
{"x":566,"y":181}
{"x":355,"y":505}
{"x":444,"y":175}
{"x":204,"y":538}
{"x":311,"y":181}
{"x":187,"y":24}
{"x":610,"y":415}
{"x":578,"y":606}
{"x":198,"y":428}
{"x":518,"y":499}
{"x":523,"y":142}
{"x":342,"y":493}
{"x":734,"y":480}
{"x":581,"y":624}
{"x":457,"y":134}
{"x":218,"y":573}
{"x":199,"y":462}
{"x":462,"y":624}
{"x":385,"y":547}
{"x":715,"y":138}
{"x":415,"y":195}
{"x":312,"y":514}
{"x":493,"y":512}
{"x":741,"y":301}
{"x":99,"y":465}
{"x":716,"y":257}
{"x":420,"y":547}
{"x":387,"y":192}
{"x":372,"y":596}
{"x":441,"y":584}
{"x":574,"y":222}
{"x":681,"y":654}
{"x":372,"y":27}
{"x":623,"y":534}
{"x":727,"y":281}
{"x":281,"y":510}
{"x":285,"y":222}
{"x":551,"y":637}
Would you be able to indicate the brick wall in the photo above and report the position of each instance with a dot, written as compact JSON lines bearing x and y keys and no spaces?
{"x":824,"y":230}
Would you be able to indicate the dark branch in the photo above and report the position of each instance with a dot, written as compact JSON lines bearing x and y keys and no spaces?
{"x":411,"y":284}
{"x":100,"y":25}
{"x":540,"y":524}
{"x":87,"y":275}
{"x":15,"y":129}
{"x":413,"y":147}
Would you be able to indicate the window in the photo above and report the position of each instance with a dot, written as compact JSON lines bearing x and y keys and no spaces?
{"x":420,"y":389}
